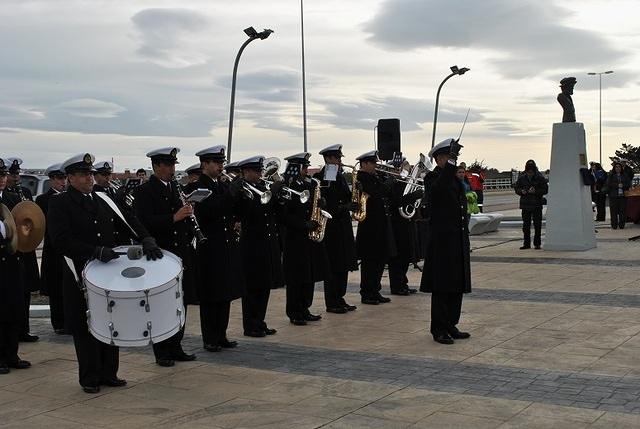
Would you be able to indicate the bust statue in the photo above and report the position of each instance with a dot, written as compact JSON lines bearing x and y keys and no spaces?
{"x":564,"y":98}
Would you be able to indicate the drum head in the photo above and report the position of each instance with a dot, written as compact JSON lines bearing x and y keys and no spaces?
{"x":127,"y":275}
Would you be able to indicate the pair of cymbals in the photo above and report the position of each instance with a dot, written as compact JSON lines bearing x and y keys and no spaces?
{"x":10,"y":229}
{"x":25,"y":225}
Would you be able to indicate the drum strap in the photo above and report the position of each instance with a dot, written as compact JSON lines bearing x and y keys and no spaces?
{"x":116,"y":209}
{"x":72,"y":268}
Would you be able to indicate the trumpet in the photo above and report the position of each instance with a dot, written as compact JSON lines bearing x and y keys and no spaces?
{"x":288,"y":193}
{"x":265,"y":196}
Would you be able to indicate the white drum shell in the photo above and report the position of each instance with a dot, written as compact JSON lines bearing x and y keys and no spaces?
{"x":137,"y":313}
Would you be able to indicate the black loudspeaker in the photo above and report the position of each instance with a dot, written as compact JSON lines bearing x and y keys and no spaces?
{"x":388,"y":138}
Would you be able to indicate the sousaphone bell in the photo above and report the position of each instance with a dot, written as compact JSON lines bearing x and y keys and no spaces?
{"x":30,"y":225}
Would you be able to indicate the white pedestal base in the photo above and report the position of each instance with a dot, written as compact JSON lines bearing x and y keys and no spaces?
{"x":569,"y":221}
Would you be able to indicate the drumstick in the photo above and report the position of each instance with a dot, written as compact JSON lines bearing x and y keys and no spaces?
{"x":133,"y":252}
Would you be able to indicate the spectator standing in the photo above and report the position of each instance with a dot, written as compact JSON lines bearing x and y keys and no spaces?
{"x":598,"y":190}
{"x":532,"y":187}
{"x":617,"y":183}
{"x":475,"y":177}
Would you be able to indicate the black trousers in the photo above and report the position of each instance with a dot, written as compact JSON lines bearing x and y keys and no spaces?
{"x":254,"y":310}
{"x":618,"y":208}
{"x":97,"y":361}
{"x":370,"y":276}
{"x":171,"y":346}
{"x":527,"y":216}
{"x":214,"y":321}
{"x":398,"y":268}
{"x":56,"y":308}
{"x":24,"y":329}
{"x":335,"y":288}
{"x":480,"y":195}
{"x":299,"y":299}
{"x":445,"y":312}
{"x":8,"y":342}
{"x":600,"y":198}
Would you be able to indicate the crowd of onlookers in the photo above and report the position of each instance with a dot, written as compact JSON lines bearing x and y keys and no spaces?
{"x":613,"y":185}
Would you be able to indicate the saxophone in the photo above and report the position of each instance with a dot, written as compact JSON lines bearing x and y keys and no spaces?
{"x":318,"y":215}
{"x":358,"y":197}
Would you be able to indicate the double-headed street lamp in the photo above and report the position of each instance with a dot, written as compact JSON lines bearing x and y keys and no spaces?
{"x":454,"y":71}
{"x":253,"y":35}
{"x":599,"y":74}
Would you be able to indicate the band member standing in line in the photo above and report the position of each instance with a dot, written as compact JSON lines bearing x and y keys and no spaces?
{"x":259,"y":244}
{"x":220,"y":276}
{"x":193,"y":175}
{"x":81,"y":227}
{"x":29,"y":260}
{"x":374,"y":239}
{"x":102,"y":177}
{"x":304,"y":260}
{"x":158,"y":207}
{"x":447,"y":269}
{"x":338,"y":237}
{"x":53,"y":264}
{"x":11,"y":294}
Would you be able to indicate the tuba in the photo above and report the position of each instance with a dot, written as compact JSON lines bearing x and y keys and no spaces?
{"x":318,"y":215}
{"x":418,"y":171}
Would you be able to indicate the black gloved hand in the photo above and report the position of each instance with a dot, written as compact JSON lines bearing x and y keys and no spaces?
{"x":417,"y":194}
{"x":359,"y":185}
{"x":151,"y":249}
{"x":322,"y":202}
{"x":235,"y":187}
{"x":353,"y":207}
{"x":276,"y":188}
{"x":311,"y":225}
{"x":105,"y":254}
{"x":454,"y":149}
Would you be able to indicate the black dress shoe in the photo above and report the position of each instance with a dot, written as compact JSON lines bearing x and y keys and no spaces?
{"x":181,"y":356}
{"x":4,"y":369}
{"x":62,"y":332}
{"x":270,"y":331}
{"x":114,"y":382}
{"x":456,"y":334}
{"x":226,"y":344}
{"x":255,"y":334}
{"x":401,"y":292}
{"x":298,"y":322}
{"x":166,"y":362}
{"x":28,"y":338}
{"x":312,"y":317}
{"x":370,"y":301}
{"x":412,"y":290}
{"x":213,"y":348}
{"x":337,"y":310}
{"x":350,"y":307}
{"x":383,"y":299}
{"x":525,"y":247}
{"x":19,"y":364}
{"x":91,"y":389}
{"x":537,"y":247}
{"x":443,"y":339}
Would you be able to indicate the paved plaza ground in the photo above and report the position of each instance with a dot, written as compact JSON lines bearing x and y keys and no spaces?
{"x":555,"y":344}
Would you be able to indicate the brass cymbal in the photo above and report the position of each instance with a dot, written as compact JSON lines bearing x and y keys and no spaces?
{"x":30,"y":223}
{"x":10,"y":226}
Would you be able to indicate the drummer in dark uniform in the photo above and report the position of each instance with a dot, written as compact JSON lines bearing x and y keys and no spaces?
{"x":304,"y":261}
{"x":193,"y":175}
{"x":11,"y":294}
{"x":81,"y":227}
{"x":259,"y":243}
{"x":158,"y":207}
{"x":220,"y":276}
{"x":102,"y":177}
{"x":52,"y":264}
{"x":29,"y":260}
{"x":338,"y":237}
{"x":447,"y":270}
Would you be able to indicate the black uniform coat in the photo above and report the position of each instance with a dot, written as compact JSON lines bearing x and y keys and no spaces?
{"x":77,"y":225}
{"x":106,"y":189}
{"x":338,"y":238}
{"x":220,"y":274}
{"x":29,"y":259}
{"x":154,"y":205}
{"x":260,"y":242}
{"x":303,"y":260}
{"x":52,"y":265}
{"x":11,"y":271}
{"x":446,"y":266}
{"x":374,"y":239}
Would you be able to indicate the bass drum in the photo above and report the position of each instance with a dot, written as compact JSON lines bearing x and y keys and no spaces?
{"x":134,"y":302}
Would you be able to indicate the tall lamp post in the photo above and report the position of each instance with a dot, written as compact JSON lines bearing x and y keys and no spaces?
{"x":253,"y":35}
{"x":599,"y":74}
{"x":454,"y":71}
{"x":304,"y":83}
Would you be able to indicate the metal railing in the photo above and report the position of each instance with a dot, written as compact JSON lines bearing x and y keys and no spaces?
{"x":497,"y":184}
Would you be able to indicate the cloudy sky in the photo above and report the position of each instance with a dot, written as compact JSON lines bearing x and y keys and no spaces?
{"x":121,"y":77}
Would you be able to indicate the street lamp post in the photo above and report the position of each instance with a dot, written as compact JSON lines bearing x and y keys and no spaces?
{"x":599,"y":74}
{"x":454,"y":71}
{"x":304,"y":83}
{"x":253,"y":35}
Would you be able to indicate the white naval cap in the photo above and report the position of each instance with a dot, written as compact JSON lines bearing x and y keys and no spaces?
{"x":369,"y":156}
{"x":103,"y":167}
{"x":80,"y":162}
{"x":54,"y":170}
{"x":215,"y":153}
{"x":299,"y":158}
{"x":334,"y":149}
{"x":442,"y":147}
{"x":165,"y":154}
{"x":253,"y":162}
{"x":232,"y":166}
{"x":193,"y":169}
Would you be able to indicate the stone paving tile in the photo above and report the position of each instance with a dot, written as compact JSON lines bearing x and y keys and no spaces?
{"x":557,"y":261}
{"x":456,"y":421}
{"x":580,"y":298}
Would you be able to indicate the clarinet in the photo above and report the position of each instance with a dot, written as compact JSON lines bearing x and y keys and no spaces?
{"x":193,"y":222}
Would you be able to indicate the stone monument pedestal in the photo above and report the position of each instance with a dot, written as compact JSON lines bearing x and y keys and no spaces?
{"x":569,"y":221}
